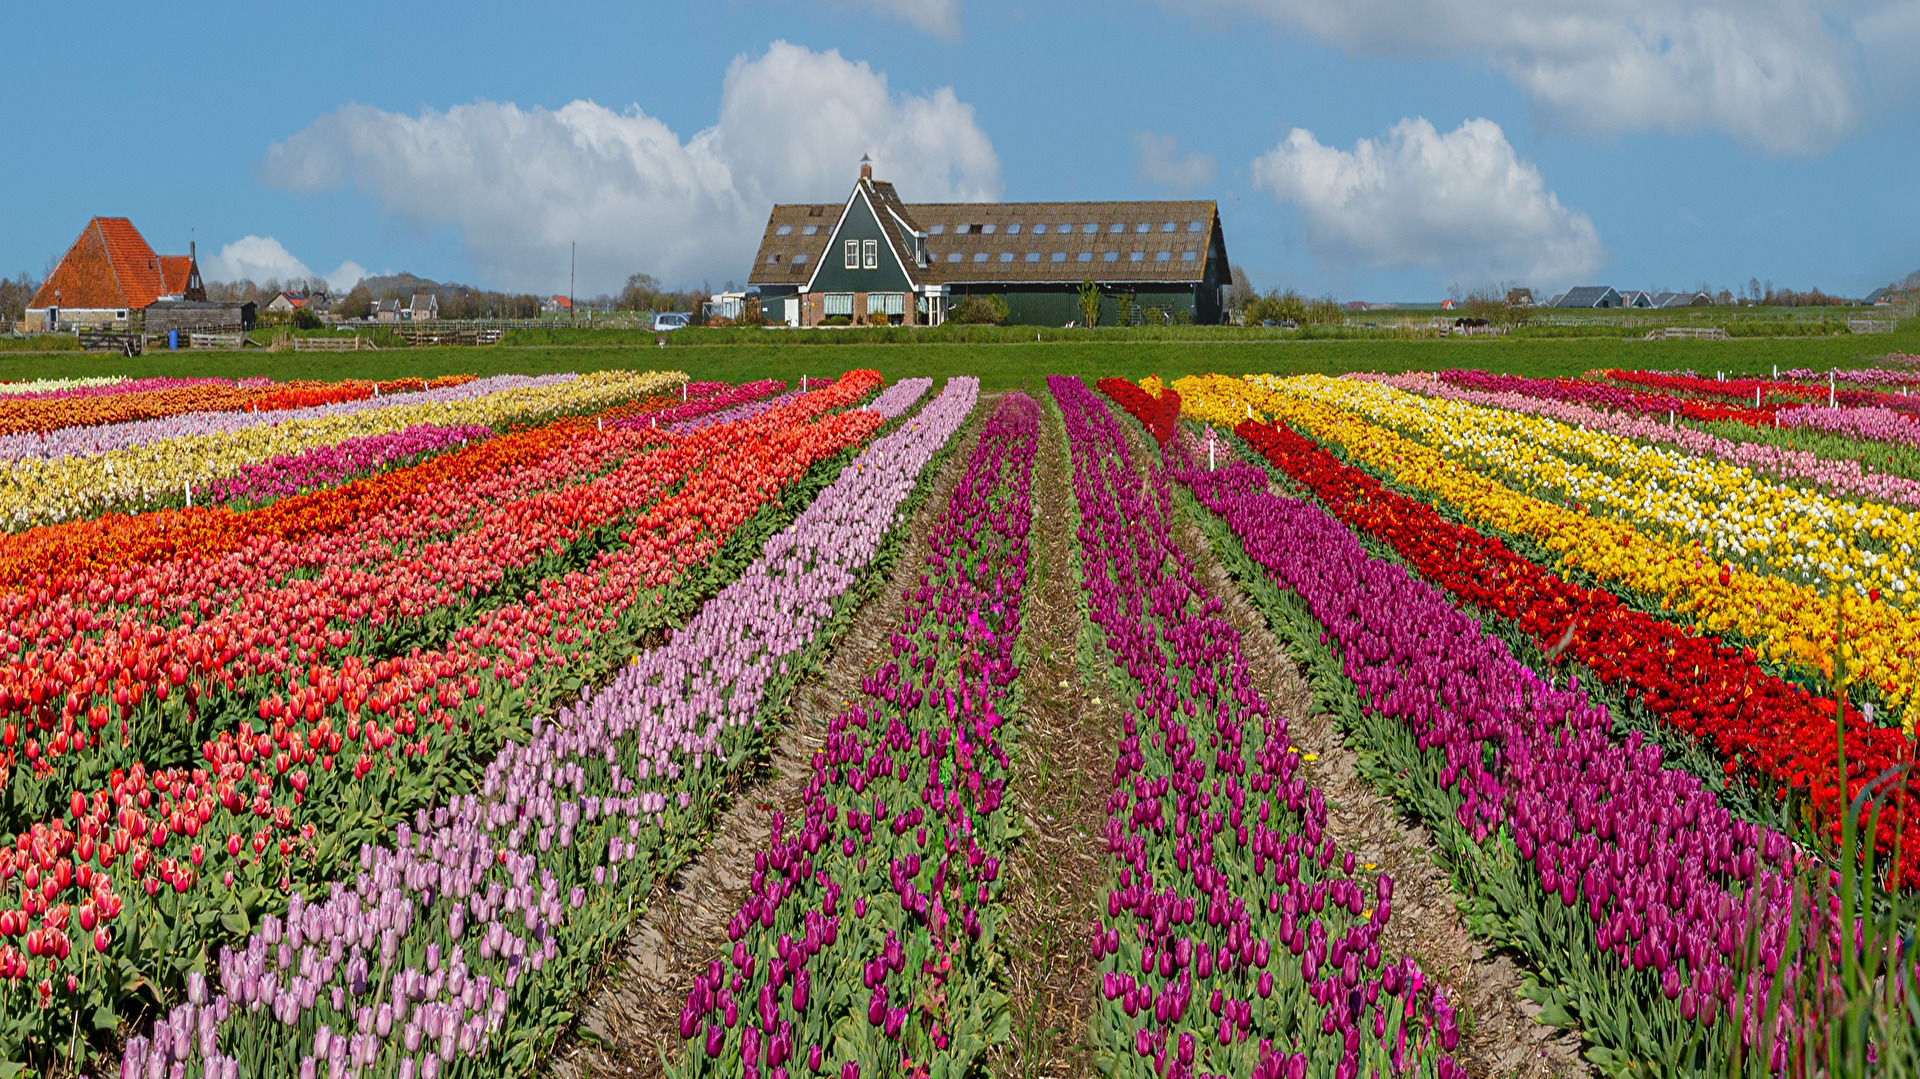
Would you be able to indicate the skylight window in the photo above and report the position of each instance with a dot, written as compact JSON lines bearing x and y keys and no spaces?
{"x":1033,"y":256}
{"x":1137,"y":256}
{"x":1059,"y":256}
{"x":988,"y":229}
{"x":1167,"y":226}
{"x":953,"y":256}
{"x":809,"y":230}
{"x":1111,"y":256}
{"x":1196,"y":226}
{"x":1189,"y":256}
{"x":1163,"y":256}
{"x":1039,"y":230}
{"x":800,"y":259}
{"x":1085,"y":256}
{"x":1006,"y":256}
{"x":1013,"y":229}
{"x":1090,"y":228}
{"x":1116,"y":227}
{"x":1144,"y":226}
{"x":979,"y":256}
{"x":784,"y":230}
{"x":771,"y":259}
{"x":936,"y":230}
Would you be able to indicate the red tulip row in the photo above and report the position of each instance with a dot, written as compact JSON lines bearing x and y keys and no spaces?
{"x":1696,"y":684}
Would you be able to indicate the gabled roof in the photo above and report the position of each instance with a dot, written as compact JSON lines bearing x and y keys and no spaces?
{"x":1585,"y":296}
{"x":111,"y":266}
{"x":998,"y":243}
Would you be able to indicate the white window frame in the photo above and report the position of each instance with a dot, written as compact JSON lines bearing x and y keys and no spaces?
{"x":853,"y":254}
{"x":870,"y":254}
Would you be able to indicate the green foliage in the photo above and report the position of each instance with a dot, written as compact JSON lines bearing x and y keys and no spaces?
{"x":305,"y":319}
{"x":1089,"y":303}
{"x":1279,"y":308}
{"x":981,"y":311}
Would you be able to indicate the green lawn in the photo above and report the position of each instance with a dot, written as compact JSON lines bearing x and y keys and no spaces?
{"x":1001,"y":360}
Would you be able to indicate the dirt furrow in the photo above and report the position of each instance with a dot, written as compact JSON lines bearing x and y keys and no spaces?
{"x":631,"y":1025}
{"x":1062,"y":768}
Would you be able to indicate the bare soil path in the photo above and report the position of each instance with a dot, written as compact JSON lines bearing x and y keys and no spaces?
{"x":631,"y":1024}
{"x":1062,"y":770}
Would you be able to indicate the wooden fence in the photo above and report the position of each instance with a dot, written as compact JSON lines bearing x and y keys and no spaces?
{"x":216,"y":340}
{"x":1868,"y":324}
{"x":332,"y":344}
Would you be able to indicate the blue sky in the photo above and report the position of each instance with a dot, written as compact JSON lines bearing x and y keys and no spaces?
{"x":1381,"y":149}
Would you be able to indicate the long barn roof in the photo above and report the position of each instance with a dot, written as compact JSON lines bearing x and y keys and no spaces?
{"x":111,"y":266}
{"x":987,"y":243}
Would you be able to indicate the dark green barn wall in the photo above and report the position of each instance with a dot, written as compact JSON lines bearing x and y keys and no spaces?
{"x":859,"y":224}
{"x":1057,"y":305}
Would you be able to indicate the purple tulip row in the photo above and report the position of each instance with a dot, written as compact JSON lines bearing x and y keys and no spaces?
{"x":87,"y":441}
{"x":439,"y":950}
{"x":1667,"y":887}
{"x":1846,"y":478}
{"x":869,"y":911}
{"x":1871,"y":377}
{"x":330,"y":466}
{"x":1237,"y":939}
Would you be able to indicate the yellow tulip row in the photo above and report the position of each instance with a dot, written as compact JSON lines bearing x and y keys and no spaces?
{"x":1803,"y":536}
{"x":1789,"y":623}
{"x":43,"y":491}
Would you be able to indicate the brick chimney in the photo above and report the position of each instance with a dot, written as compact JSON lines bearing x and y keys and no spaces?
{"x":866,"y":167}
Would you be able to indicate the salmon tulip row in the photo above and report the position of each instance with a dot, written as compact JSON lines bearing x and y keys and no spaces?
{"x":459,"y":939}
{"x":347,"y":749}
{"x":92,"y":408}
{"x":1238,"y":939}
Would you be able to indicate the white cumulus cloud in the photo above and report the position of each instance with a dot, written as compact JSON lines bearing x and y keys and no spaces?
{"x":260,"y":258}
{"x":935,"y":18}
{"x":1157,"y":161}
{"x":1791,"y":77}
{"x":520,"y":184}
{"x":1461,"y":204}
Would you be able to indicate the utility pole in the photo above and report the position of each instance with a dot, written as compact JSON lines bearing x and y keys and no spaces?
{"x":573,"y":250}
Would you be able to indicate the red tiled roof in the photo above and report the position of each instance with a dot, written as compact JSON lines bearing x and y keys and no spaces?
{"x":111,"y":266}
{"x":174,"y":271}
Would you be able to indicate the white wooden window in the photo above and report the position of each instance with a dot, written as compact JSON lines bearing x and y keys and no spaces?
{"x":853,"y":256}
{"x":870,"y":254}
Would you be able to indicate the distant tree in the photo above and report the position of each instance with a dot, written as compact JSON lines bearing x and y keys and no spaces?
{"x":640,"y":292}
{"x":1325,"y":311}
{"x":357,"y":303}
{"x":14,"y":297}
{"x":1279,"y":308}
{"x":1239,"y":291}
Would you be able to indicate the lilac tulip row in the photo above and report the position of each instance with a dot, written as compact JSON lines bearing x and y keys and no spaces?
{"x":869,"y":910}
{"x":425,"y":958}
{"x":1667,"y":886}
{"x":1237,"y":939}
{"x":88,"y":441}
{"x":1846,"y":478}
{"x":1871,"y":377}
{"x":329,"y":466}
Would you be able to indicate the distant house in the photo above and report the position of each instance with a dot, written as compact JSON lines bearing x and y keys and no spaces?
{"x":386,"y":311}
{"x":556,"y":305}
{"x":424,"y":307}
{"x":109,"y":274}
{"x":875,"y":259}
{"x":1637,"y":299}
{"x":1519,"y":297}
{"x":1590,"y":296}
{"x":285,"y":302}
{"x":1666,"y":300}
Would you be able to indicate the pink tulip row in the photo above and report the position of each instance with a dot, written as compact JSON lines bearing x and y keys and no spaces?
{"x":1848,"y":478}
{"x":328,"y":466}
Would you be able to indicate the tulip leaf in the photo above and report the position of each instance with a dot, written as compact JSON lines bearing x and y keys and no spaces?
{"x":235,"y":922}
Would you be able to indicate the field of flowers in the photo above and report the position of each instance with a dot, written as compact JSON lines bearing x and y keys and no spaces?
{"x":348,"y":729}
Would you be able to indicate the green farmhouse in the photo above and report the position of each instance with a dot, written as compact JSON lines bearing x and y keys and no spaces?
{"x":876,"y":260}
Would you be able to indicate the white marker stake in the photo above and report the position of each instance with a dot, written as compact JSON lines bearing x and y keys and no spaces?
{"x":188,"y":484}
{"x":683,"y":393}
{"x":803,"y":383}
{"x":1830,"y":403}
{"x":1209,"y":455}
{"x":1669,"y":417}
{"x":600,"y":422}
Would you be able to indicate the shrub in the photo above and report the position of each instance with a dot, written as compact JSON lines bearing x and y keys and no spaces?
{"x":981,"y":311}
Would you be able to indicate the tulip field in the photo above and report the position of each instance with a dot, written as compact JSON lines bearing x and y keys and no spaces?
{"x":350,"y":728}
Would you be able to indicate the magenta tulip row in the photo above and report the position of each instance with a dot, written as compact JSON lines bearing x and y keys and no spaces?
{"x":1237,"y":938}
